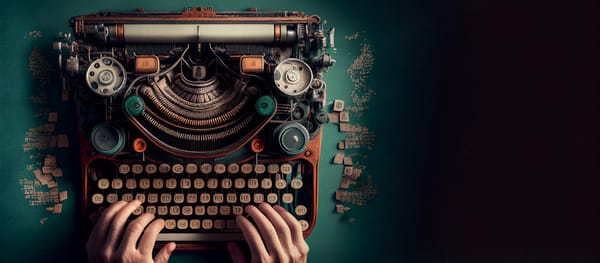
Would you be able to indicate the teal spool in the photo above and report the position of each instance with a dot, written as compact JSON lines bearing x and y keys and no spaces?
{"x":108,"y":138}
{"x":265,"y":105}
{"x":134,"y":105}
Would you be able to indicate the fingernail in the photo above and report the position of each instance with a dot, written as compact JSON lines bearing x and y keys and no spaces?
{"x":171,"y":247}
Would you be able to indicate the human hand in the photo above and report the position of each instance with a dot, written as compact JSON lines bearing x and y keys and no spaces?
{"x":281,"y":241}
{"x":110,"y":241}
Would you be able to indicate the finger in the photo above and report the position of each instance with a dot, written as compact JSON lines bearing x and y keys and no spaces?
{"x":236,"y":253}
{"x":98,"y":234}
{"x":163,"y":255}
{"x":116,"y":228}
{"x":134,"y":231}
{"x":149,"y":238}
{"x":257,"y":247}
{"x":281,"y":227}
{"x":266,"y":229}
{"x":294,"y":226}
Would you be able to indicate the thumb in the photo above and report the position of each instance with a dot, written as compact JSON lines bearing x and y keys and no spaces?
{"x":236,"y":253}
{"x":163,"y":255}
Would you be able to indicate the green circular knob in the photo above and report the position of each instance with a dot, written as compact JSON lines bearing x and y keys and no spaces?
{"x":108,"y":138}
{"x":134,"y":105}
{"x":265,"y":105}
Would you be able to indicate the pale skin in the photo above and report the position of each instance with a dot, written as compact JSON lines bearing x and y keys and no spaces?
{"x":277,"y":236}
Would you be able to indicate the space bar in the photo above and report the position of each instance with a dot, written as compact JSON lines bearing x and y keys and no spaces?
{"x":215,"y":237}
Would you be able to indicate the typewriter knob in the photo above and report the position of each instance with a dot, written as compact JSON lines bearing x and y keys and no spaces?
{"x":106,"y":76}
{"x":293,"y":77}
{"x":108,"y":138}
{"x":292,"y":138}
{"x":321,"y":117}
{"x":265,"y":106}
{"x":134,"y":105}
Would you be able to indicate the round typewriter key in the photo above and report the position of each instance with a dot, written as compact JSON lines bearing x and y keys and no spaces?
{"x":138,"y":210}
{"x":207,"y":223}
{"x":273,"y":168}
{"x":272,"y":198}
{"x":108,"y":138}
{"x":238,"y":210}
{"x":117,"y":183}
{"x":246,"y":168}
{"x":195,"y":224}
{"x":226,"y":183}
{"x":280,"y":184}
{"x":97,"y":198}
{"x":300,"y":210}
{"x":151,"y":209}
{"x":206,"y":168}
{"x":144,"y":183}
{"x":124,"y":168}
{"x":182,"y":224}
{"x":171,"y":183}
{"x":178,"y":168}
{"x":185,"y":183}
{"x":233,"y":168}
{"x":224,"y":210}
{"x":137,"y":168}
{"x":212,"y":183}
{"x":150,"y":168}
{"x":164,"y":168}
{"x":231,"y":198}
{"x":296,"y":184}
{"x":220,"y":168}
{"x":286,"y":168}
{"x":259,"y":168}
{"x":103,"y":184}
{"x":303,"y":224}
{"x":239,"y":183}
{"x":191,"y":168}
{"x":111,"y":198}
{"x":130,"y":183}
{"x":187,"y":210}
{"x":287,"y":198}
{"x":170,"y":224}
{"x":252,"y":183}
{"x":198,"y":183}
{"x":127,"y":197}
{"x":259,"y":198}
{"x":266,"y":183}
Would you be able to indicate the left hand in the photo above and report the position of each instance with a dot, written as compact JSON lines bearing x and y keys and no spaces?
{"x":110,"y":241}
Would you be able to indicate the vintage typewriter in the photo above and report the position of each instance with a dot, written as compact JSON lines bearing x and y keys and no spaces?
{"x":199,"y":113}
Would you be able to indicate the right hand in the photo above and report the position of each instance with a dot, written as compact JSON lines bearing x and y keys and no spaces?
{"x":277,"y":239}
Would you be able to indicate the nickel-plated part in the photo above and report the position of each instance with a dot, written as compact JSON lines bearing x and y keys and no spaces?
{"x":251,"y":33}
{"x":106,"y":76}
{"x":292,"y":77}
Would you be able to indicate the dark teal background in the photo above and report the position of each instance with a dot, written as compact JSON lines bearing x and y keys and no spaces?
{"x":405,"y":37}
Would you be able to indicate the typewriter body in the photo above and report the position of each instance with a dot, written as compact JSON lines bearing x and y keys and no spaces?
{"x":199,"y":113}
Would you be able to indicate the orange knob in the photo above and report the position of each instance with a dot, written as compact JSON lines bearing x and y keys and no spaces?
{"x":139,"y":145}
{"x":257,"y":145}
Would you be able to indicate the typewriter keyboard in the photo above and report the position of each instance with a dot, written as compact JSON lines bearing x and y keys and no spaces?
{"x":199,"y":201}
